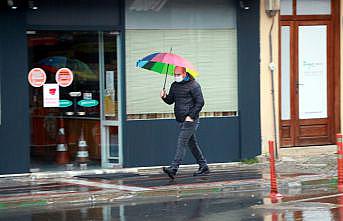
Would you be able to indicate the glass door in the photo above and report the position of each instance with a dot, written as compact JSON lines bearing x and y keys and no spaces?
{"x":110,"y":115}
{"x":74,"y":95}
{"x":306,"y":83}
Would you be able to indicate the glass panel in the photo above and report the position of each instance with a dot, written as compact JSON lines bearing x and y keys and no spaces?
{"x":69,"y":131}
{"x":313,"y":7}
{"x":312,"y":72}
{"x":286,"y":7}
{"x":114,"y":144}
{"x":285,"y":73}
{"x":194,"y":30}
{"x":111,"y":77}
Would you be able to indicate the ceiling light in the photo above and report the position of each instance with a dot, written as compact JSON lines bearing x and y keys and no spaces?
{"x":11,"y":4}
{"x":32,"y":5}
{"x":245,"y":4}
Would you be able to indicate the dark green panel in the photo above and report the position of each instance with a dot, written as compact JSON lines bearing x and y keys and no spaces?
{"x":75,"y":13}
{"x":153,"y":142}
{"x":249,"y":79}
{"x":14,"y":128}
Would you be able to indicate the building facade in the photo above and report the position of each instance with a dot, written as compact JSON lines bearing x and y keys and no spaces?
{"x":307,"y":55}
{"x":71,"y":92}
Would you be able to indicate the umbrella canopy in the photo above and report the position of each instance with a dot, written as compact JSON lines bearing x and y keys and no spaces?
{"x":165,"y":63}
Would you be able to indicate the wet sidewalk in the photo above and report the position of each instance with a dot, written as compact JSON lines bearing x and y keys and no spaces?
{"x":139,"y":184}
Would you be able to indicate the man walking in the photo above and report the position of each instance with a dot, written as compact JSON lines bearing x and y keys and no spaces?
{"x":186,"y":93}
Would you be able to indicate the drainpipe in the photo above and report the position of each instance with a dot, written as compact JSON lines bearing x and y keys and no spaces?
{"x":272,"y":7}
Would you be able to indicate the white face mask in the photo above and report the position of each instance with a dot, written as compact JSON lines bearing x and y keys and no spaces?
{"x":178,"y":78}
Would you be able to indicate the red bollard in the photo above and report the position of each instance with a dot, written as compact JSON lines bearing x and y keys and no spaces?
{"x":275,"y":216}
{"x":340,"y":203}
{"x":339,"y":143}
{"x":273,"y":182}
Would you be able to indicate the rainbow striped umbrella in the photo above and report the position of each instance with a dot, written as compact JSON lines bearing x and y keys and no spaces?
{"x":165,"y":63}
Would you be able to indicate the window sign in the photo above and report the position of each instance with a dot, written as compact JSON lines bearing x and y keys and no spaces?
{"x":51,"y":95}
{"x":64,"y":77}
{"x":88,"y":103}
{"x":65,"y":103}
{"x":87,"y":96}
{"x":37,"y":77}
{"x":312,"y":72}
{"x":109,"y":99}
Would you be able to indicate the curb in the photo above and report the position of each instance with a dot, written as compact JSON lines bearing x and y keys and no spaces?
{"x":112,"y":196}
{"x":140,"y":170}
{"x":115,"y":196}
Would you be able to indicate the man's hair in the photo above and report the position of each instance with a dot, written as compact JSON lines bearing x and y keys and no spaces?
{"x":183,"y":68}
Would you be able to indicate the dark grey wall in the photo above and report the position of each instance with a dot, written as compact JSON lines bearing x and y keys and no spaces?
{"x":153,"y":142}
{"x":14,"y":128}
{"x":248,"y":30}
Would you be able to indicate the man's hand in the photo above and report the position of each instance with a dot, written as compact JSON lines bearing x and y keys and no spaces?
{"x":189,"y":119}
{"x":163,"y":94}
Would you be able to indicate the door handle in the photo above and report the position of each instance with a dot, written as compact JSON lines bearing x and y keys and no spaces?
{"x":297,"y":87}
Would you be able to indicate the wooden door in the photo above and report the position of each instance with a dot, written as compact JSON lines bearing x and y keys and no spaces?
{"x":306,"y":76}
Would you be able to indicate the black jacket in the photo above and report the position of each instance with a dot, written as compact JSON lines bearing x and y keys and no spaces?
{"x":188,"y":99}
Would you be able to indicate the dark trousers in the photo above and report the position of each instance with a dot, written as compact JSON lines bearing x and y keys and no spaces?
{"x":187,"y":138}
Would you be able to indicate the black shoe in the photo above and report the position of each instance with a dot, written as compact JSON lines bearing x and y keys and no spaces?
{"x":170,"y":172}
{"x":202,"y":171}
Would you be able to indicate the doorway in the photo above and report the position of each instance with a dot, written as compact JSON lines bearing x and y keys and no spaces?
{"x":309,"y":73}
{"x":80,"y":125}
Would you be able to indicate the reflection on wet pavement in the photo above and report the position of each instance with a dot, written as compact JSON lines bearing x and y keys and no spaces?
{"x":43,"y":188}
{"x":125,"y":181}
{"x":217,"y":208}
{"x":318,"y":205}
{"x":235,"y":207}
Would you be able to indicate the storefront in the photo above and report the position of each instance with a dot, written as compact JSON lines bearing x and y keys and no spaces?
{"x":307,"y":53}
{"x":71,"y":94}
{"x":310,"y":73}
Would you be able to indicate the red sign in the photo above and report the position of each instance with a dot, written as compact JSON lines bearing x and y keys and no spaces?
{"x":52,"y":91}
{"x":51,"y":95}
{"x":64,"y":77}
{"x":37,"y":77}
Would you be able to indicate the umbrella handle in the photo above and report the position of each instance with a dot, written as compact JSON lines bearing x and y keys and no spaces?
{"x":165,"y":79}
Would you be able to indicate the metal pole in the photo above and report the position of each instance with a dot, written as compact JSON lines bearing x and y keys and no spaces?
{"x":271,"y":66}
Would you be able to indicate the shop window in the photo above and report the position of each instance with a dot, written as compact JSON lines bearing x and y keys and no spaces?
{"x":204,"y":33}
{"x":69,"y":131}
